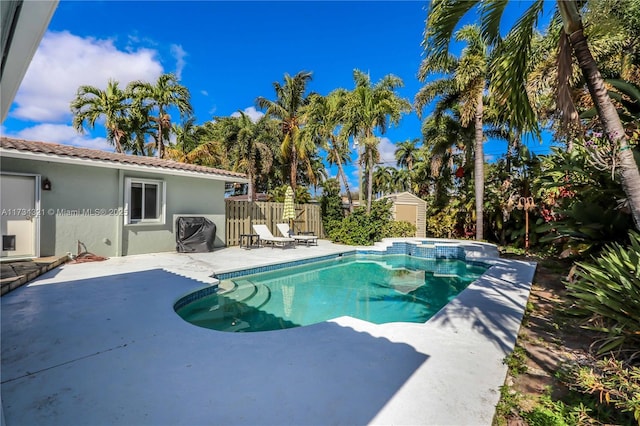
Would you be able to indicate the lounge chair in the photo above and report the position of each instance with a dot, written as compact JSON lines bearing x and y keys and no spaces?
{"x":307,"y":239}
{"x":266,"y":237}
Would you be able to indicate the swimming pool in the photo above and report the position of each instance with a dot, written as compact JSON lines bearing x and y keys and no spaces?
{"x":378,"y":289}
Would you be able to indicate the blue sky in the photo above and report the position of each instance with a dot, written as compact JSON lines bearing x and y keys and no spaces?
{"x":225,"y":53}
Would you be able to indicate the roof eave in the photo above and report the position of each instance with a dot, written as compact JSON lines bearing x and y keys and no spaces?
{"x":38,"y":156}
{"x":27,"y":28}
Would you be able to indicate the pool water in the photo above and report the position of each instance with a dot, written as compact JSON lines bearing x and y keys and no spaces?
{"x":378,"y":289}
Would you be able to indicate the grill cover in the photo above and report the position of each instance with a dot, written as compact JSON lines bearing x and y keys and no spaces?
{"x":194,"y":234}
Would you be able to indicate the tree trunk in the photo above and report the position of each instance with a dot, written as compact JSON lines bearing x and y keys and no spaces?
{"x":116,"y":140}
{"x":344,"y":179}
{"x":294,"y":166}
{"x":160,"y":141}
{"x":627,"y":169}
{"x":479,"y":169}
{"x":370,"y":180}
{"x":251,"y":190}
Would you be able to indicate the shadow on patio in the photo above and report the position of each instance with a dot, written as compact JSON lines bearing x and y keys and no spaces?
{"x":493,"y":305}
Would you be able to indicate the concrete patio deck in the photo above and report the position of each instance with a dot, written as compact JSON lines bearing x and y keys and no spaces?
{"x":99,"y":343}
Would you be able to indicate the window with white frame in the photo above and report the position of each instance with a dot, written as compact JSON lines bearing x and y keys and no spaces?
{"x":144,"y":201}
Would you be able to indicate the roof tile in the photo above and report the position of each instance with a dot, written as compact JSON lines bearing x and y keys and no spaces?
{"x":47,"y":148}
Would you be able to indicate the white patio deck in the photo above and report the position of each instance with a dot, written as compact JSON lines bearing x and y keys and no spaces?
{"x":99,"y":343}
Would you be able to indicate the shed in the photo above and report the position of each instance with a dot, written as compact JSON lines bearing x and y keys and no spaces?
{"x":410,"y":208}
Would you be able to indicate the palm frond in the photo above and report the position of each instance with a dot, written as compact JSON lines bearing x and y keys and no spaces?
{"x":443,"y":16}
{"x":491,"y":13}
{"x":509,"y":69}
{"x":567,"y":108}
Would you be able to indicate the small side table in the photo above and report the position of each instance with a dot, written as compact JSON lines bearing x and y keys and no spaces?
{"x":249,"y":240}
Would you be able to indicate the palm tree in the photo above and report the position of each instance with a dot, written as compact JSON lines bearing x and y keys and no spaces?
{"x":370,"y":108}
{"x":318,"y":171}
{"x":289,"y":109}
{"x":401,"y":180}
{"x":161,"y":96}
{"x":192,"y":146}
{"x":465,"y":82}
{"x":188,"y":135}
{"x":447,"y":144}
{"x":406,"y":153}
{"x":509,"y":69}
{"x":248,"y":145}
{"x":138,"y":129}
{"x":324,"y":121}
{"x":92,"y":103}
{"x":382,"y":178}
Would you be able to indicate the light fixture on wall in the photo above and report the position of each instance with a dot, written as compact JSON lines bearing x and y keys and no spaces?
{"x":46,"y":185}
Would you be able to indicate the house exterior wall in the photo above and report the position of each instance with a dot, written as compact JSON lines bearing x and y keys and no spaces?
{"x":86,"y":203}
{"x":186,"y":197}
{"x":73,"y":189}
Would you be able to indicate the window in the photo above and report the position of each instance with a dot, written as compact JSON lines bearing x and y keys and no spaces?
{"x":144,"y":201}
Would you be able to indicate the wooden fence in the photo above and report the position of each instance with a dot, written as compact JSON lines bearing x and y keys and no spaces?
{"x":241,"y":214}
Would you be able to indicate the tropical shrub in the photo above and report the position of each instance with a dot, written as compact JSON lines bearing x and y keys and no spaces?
{"x":443,"y":223}
{"x":580,"y":203}
{"x":360,"y":228}
{"x":331,"y":203}
{"x":398,"y":229}
{"x":612,"y":387}
{"x":607,"y":292}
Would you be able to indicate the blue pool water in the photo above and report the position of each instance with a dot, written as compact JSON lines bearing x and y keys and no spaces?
{"x":378,"y":289}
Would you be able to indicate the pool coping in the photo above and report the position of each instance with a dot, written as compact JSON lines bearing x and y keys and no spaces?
{"x":64,"y":360}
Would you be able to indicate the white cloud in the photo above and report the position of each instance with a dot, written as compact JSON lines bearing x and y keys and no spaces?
{"x":387,"y":151}
{"x":204,"y":92}
{"x":179,"y":54}
{"x":354,"y":179}
{"x":65,"y":61}
{"x":252,"y":112}
{"x":63,"y":134}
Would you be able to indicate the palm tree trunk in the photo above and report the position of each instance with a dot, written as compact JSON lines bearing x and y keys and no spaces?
{"x":294,"y":167}
{"x":370,"y":180}
{"x":159,"y":140}
{"x":479,"y":169}
{"x":346,"y":183}
{"x":116,"y":139}
{"x":628,"y":169}
{"x":251,"y":190}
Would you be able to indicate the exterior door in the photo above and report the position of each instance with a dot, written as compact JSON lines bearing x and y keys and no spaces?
{"x":19,"y":202}
{"x":407,"y":212}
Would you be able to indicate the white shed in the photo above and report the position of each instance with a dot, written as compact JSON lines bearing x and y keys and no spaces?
{"x":410,"y":208}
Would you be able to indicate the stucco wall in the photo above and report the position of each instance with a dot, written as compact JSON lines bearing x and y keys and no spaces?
{"x":86,"y":202}
{"x":67,"y":209}
{"x":185,"y":196}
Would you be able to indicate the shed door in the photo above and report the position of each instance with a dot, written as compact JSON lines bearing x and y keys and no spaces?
{"x":407,"y":212}
{"x":19,"y":215}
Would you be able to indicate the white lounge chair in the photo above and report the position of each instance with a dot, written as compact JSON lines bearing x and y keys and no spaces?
{"x":266,"y":237}
{"x":284,"y":229}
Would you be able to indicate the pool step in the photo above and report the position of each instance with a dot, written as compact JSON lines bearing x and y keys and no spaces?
{"x":261,"y":296}
{"x":228,"y":307}
{"x":213,"y":307}
{"x":243,"y":291}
